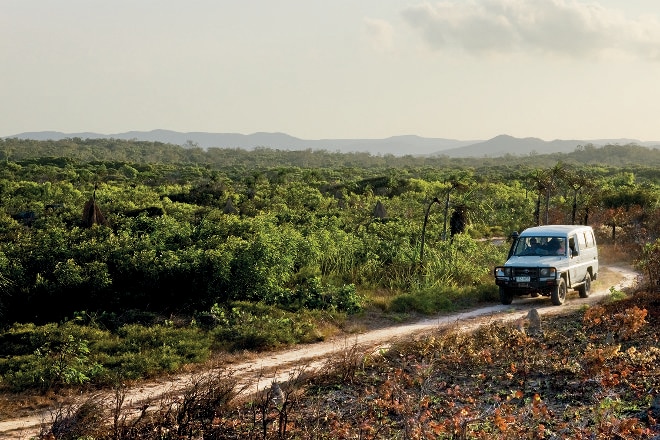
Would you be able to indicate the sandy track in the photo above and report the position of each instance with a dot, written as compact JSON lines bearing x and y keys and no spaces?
{"x":258,"y":374}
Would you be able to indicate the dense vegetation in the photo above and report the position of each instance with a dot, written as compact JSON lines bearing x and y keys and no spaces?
{"x":124,"y":259}
{"x":100,"y":150}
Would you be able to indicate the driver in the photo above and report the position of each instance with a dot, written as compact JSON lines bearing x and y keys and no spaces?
{"x":533,"y":246}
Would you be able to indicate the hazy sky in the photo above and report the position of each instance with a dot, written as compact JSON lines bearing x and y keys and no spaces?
{"x":314,"y":69}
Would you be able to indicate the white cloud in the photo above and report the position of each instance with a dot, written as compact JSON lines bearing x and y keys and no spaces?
{"x":379,"y":33}
{"x":561,"y":27}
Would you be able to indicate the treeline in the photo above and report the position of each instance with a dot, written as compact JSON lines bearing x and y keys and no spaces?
{"x":133,"y":151}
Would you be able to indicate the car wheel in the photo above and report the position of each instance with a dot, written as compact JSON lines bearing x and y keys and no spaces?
{"x":559,"y":293}
{"x":506,"y":297}
{"x":585,"y":289}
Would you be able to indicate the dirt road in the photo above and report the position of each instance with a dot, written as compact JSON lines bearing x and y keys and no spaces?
{"x":258,"y":374}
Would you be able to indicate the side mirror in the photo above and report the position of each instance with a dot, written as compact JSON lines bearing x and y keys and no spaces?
{"x":575,"y":253}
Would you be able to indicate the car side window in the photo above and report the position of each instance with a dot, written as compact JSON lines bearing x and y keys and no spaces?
{"x":571,"y":244}
{"x":589,"y":236}
{"x":582,"y":241}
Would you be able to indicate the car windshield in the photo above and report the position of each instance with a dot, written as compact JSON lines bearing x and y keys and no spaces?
{"x":540,"y":246}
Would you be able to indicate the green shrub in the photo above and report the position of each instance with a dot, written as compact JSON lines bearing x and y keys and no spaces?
{"x":23,"y":339}
{"x":164,"y":343}
{"x":68,"y":354}
{"x":313,"y":295}
{"x":48,"y":356}
{"x":18,"y":373}
{"x":257,"y":326}
{"x":425,"y":302}
{"x":443,"y":299}
{"x":487,"y":292}
{"x":73,"y":353}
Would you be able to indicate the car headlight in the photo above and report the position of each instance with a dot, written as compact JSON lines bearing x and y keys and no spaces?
{"x":548,"y":272}
{"x":502,"y":271}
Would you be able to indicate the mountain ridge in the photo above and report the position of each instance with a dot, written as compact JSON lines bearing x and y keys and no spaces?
{"x":399,"y":145}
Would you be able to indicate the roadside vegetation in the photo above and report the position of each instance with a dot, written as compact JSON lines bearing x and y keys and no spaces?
{"x":121,"y":261}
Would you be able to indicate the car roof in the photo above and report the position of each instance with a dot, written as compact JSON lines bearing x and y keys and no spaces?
{"x":553,"y":230}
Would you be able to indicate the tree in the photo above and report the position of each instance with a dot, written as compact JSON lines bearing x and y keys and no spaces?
{"x":576,"y":180}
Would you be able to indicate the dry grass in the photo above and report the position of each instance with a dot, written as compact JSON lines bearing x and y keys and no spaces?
{"x":22,"y":404}
{"x":611,"y":255}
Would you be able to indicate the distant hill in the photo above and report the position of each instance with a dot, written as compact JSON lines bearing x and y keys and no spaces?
{"x":504,"y":144}
{"x":395,"y":145}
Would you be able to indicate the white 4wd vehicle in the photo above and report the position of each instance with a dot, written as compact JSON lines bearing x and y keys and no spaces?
{"x":549,"y":260}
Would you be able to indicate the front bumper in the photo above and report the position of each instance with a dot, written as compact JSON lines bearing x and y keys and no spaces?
{"x":526,"y":279}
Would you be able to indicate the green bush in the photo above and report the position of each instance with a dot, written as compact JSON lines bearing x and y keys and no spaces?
{"x":312,"y":294}
{"x":76,"y":352}
{"x":52,"y":356}
{"x":256,"y":326}
{"x":167,"y":346}
{"x":443,"y":299}
{"x":426,"y":302}
{"x":56,"y":355}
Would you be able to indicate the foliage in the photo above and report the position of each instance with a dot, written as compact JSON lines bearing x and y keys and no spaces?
{"x":649,"y":263}
{"x":49,"y":356}
{"x":254,"y":326}
{"x":436,"y":299}
{"x":65,"y":151}
{"x":104,"y":349}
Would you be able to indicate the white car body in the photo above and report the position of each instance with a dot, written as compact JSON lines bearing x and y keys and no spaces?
{"x":549,"y":269}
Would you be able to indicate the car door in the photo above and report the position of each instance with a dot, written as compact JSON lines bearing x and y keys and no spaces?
{"x":586,"y":255}
{"x":576,"y":269}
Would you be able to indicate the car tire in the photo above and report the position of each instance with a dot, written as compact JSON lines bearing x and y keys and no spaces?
{"x":559,"y":293}
{"x":585,"y":289}
{"x":506,"y":297}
